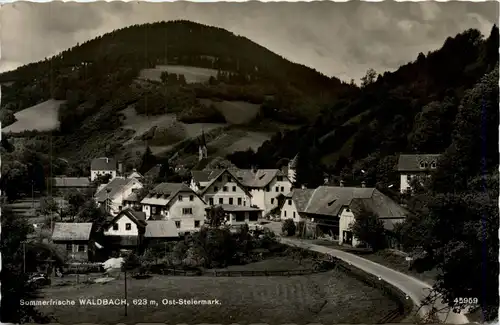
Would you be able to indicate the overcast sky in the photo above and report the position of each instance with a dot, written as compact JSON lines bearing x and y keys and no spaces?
{"x":338,"y":39}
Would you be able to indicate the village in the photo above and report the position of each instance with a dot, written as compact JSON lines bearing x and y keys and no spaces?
{"x":258,"y":198}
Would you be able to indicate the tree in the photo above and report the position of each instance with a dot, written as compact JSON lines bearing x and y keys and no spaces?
{"x":288,"y":227}
{"x":164,"y":77}
{"x":369,"y":78}
{"x":219,"y":163}
{"x":91,"y":212}
{"x":15,"y":285}
{"x":216,"y":217}
{"x":368,"y":228}
{"x":50,"y":208}
{"x":148,"y":161}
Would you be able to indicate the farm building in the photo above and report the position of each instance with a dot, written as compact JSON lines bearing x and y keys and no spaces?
{"x":240,"y":215}
{"x":332,"y":209}
{"x":74,"y":239}
{"x":410,"y":166}
{"x":103,"y":166}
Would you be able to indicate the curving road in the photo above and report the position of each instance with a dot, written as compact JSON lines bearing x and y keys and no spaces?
{"x":413,"y":288}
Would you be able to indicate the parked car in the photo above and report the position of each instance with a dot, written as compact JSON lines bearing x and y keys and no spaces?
{"x":39,"y":279}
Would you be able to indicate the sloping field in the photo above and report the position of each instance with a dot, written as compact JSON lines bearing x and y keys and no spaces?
{"x":41,"y":117}
{"x":141,"y":124}
{"x":235,"y":112}
{"x":237,"y":140}
{"x":328,"y":298}
{"x":192,"y":74}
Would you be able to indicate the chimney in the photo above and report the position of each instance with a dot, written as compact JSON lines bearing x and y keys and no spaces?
{"x":107,"y":160}
{"x":254,"y":169}
{"x":303,"y":187}
{"x":134,"y":170}
{"x":120,"y":168}
{"x":363,"y":184}
{"x":341,"y":183}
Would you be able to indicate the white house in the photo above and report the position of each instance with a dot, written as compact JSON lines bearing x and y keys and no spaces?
{"x":264,"y":185}
{"x":103,"y":166}
{"x":226,"y":188}
{"x":410,"y":166}
{"x":114,"y":195}
{"x":176,"y":202}
{"x":332,"y":209}
{"x":129,"y":229}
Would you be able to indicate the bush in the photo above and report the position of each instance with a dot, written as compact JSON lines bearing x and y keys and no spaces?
{"x":289,"y":227}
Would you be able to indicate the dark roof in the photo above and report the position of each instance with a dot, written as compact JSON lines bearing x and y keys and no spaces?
{"x":71,"y":182}
{"x":226,"y":171}
{"x":235,"y":208}
{"x":329,"y":200}
{"x":161,"y":229}
{"x":247,"y":177}
{"x":103,"y":164}
{"x":163,"y":193}
{"x":138,"y":217}
{"x":412,"y":163}
{"x":153,"y":172}
{"x":71,"y":231}
{"x":116,"y":185}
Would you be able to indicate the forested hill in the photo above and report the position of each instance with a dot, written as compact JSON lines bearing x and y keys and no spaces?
{"x":97,"y":68}
{"x":420,"y":108}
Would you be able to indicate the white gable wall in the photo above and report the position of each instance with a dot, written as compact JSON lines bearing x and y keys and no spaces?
{"x":117,"y":199}
{"x":233,"y":192}
{"x":122,"y":222}
{"x":96,"y":173}
{"x":289,"y":211}
{"x":178,"y":210}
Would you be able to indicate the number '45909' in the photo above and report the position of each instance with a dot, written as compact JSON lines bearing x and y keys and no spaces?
{"x":466,"y":300}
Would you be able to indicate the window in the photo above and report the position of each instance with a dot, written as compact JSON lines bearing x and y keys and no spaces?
{"x":69,"y":247}
{"x":422,"y":164}
{"x":216,"y":189}
{"x":240,"y":217}
{"x":180,"y":197}
{"x":347,"y":209}
{"x":277,"y":189}
{"x":191,"y":198}
{"x":267,"y":188}
{"x":187,"y":210}
{"x":272,"y":201}
{"x":285,"y":212}
{"x":197,"y":224}
{"x":120,"y":208}
{"x":211,"y":201}
{"x":229,"y":179}
{"x":221,"y":200}
{"x":280,"y":178}
{"x":224,"y":188}
{"x":234,"y":188}
{"x":433,"y":164}
{"x":178,"y":224}
{"x":289,"y":202}
{"x":239,"y":201}
{"x":81,"y":248}
{"x":115,"y":226}
{"x":128,"y":226}
{"x":230,"y":200}
{"x":282,"y":189}
{"x":294,"y":214}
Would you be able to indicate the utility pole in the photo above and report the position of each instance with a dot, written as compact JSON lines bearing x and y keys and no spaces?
{"x":24,"y":257}
{"x":125,"y":271}
{"x":32,"y":195}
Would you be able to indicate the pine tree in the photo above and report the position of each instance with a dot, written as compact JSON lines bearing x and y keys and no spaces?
{"x":148,"y":161}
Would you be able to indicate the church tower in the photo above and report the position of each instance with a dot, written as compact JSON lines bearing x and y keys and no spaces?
{"x":292,"y":168}
{"x":202,"y":147}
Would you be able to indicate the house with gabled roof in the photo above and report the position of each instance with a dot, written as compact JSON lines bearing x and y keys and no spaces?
{"x":115,"y":195}
{"x":176,"y":202}
{"x":74,"y":240}
{"x":264,"y":185}
{"x":103,"y":166}
{"x":415,"y":165}
{"x":63,"y":184}
{"x":226,"y":188}
{"x":332,"y":209}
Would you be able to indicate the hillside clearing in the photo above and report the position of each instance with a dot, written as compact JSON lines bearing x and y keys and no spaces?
{"x":235,"y":112}
{"x":40,"y":117}
{"x":330,"y":297}
{"x":192,"y":74}
{"x":141,"y":124}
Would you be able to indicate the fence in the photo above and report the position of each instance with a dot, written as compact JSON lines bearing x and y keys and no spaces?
{"x":224,"y":273}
